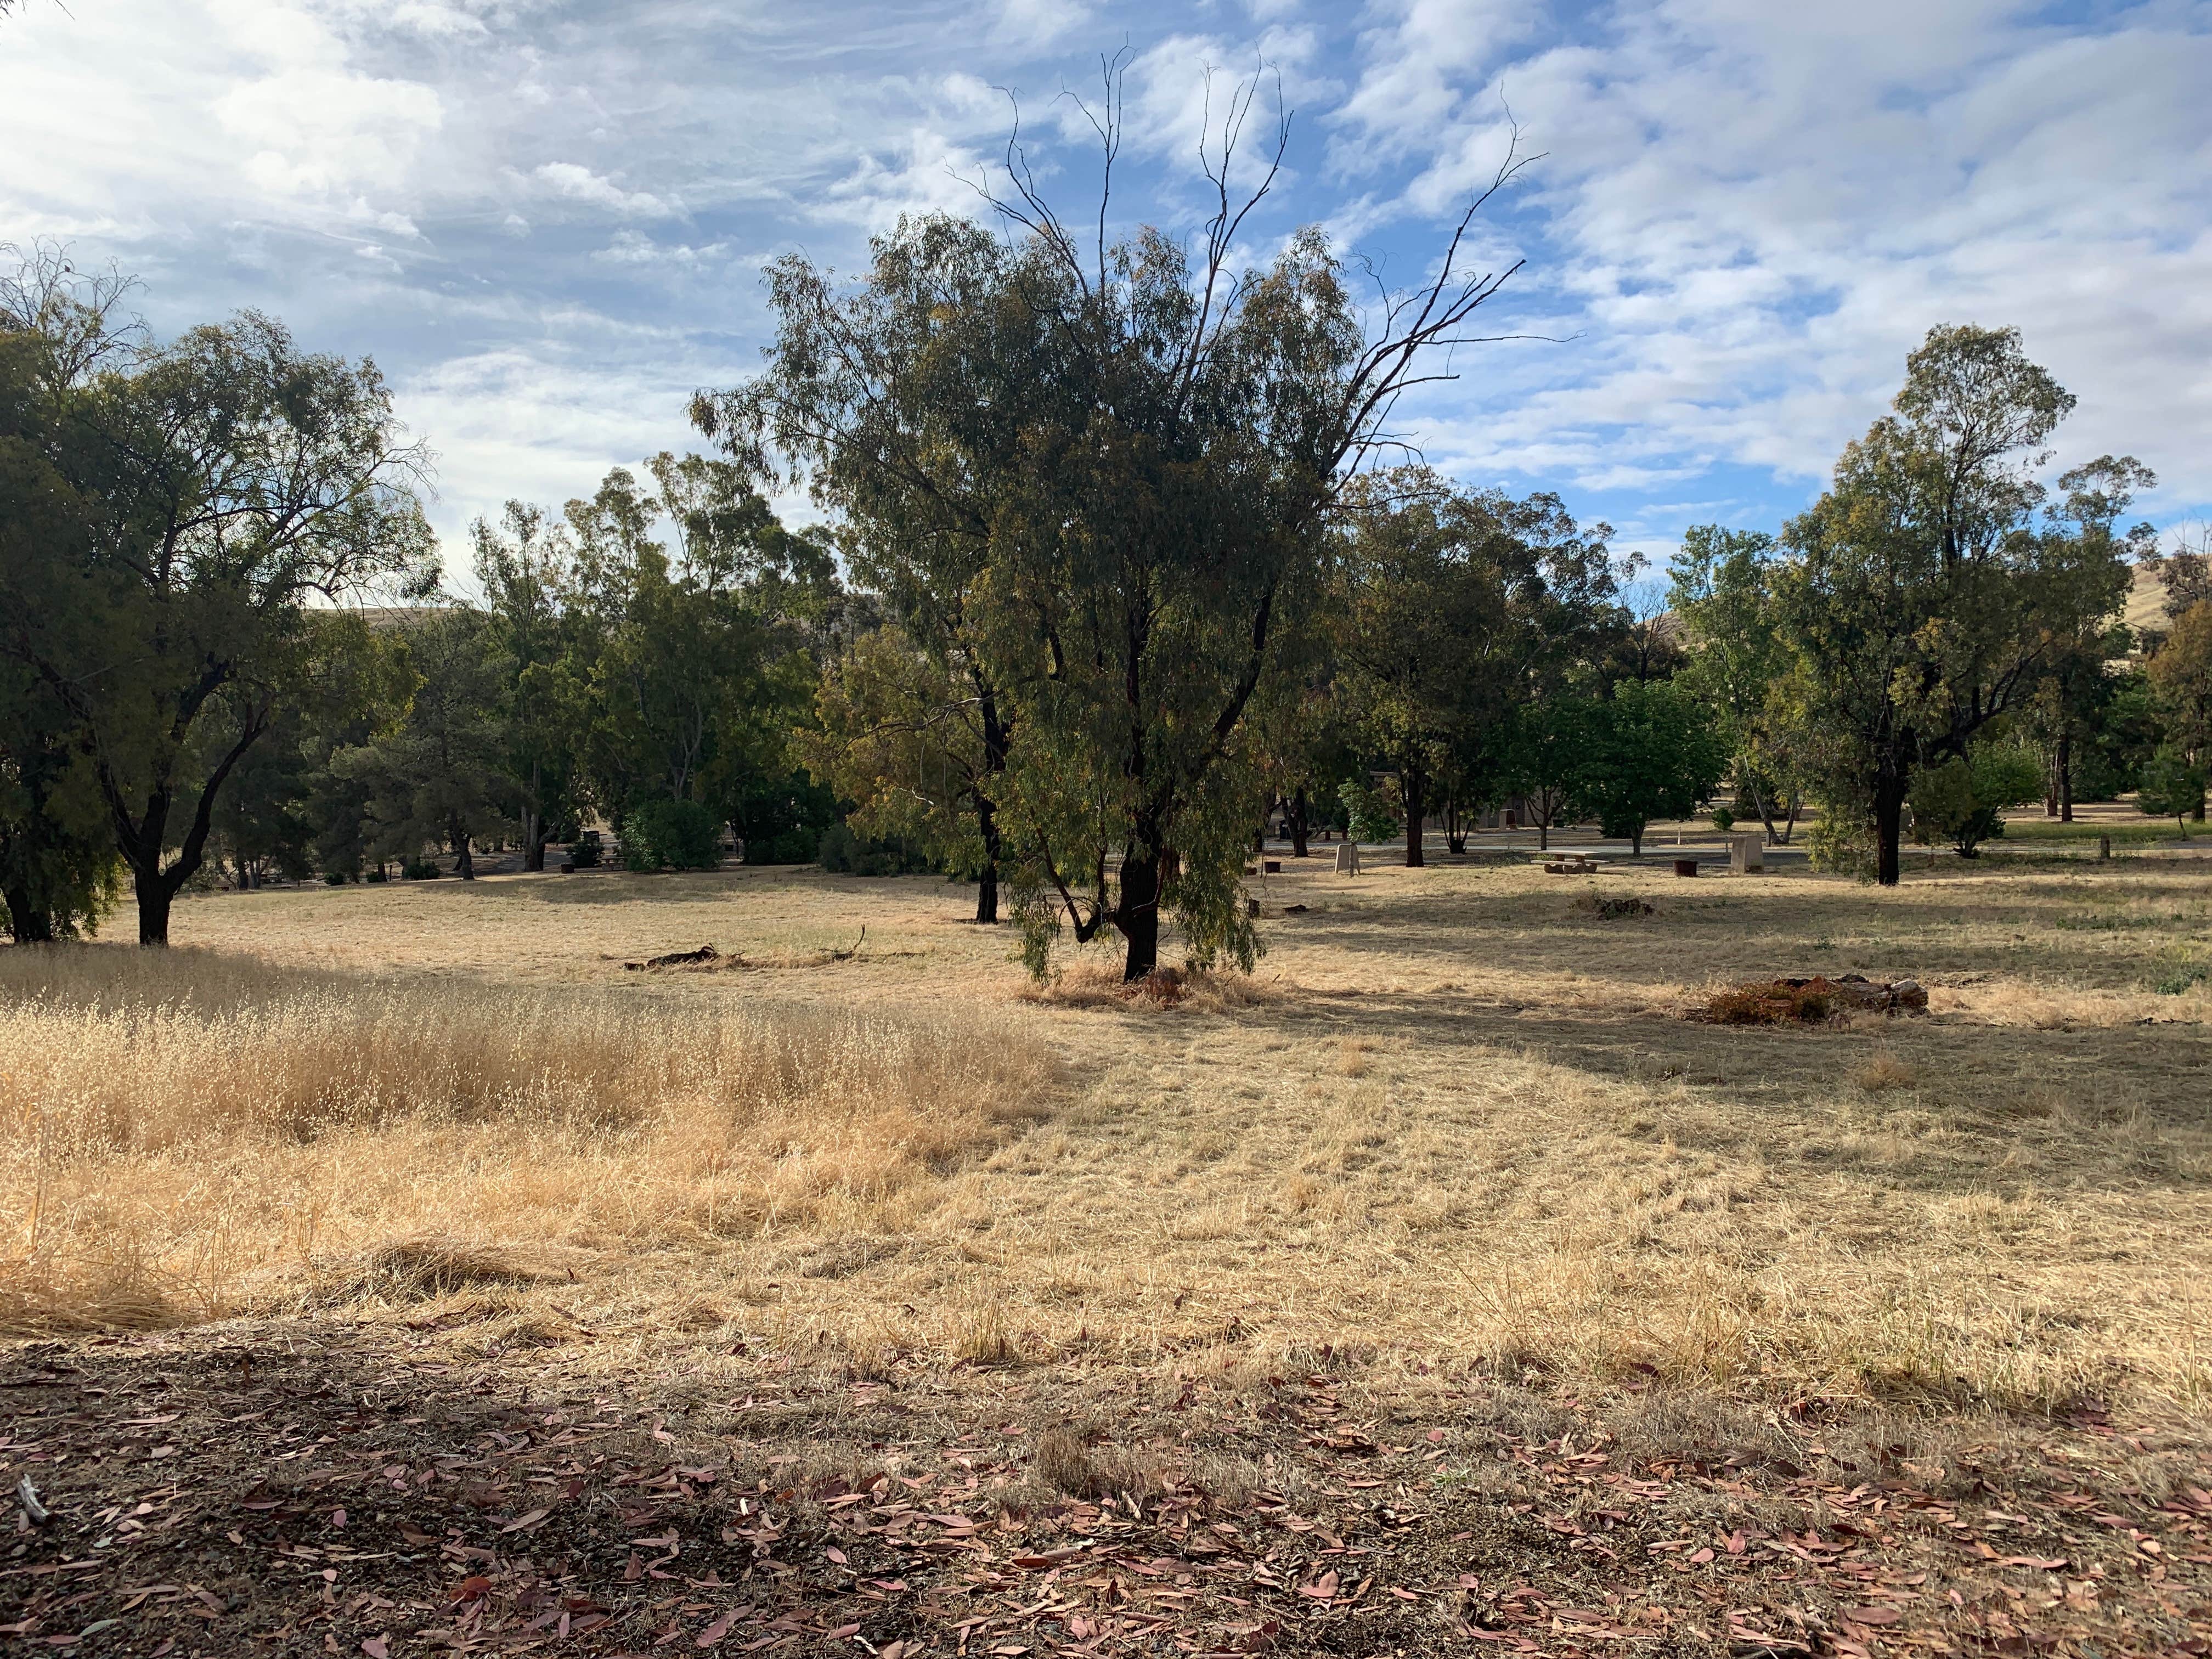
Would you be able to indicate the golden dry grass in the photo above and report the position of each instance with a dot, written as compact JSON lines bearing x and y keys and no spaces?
{"x":1457,"y":1119}
{"x":193,"y":1134}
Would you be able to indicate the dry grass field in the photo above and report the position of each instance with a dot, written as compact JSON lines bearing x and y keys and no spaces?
{"x":1456,"y":1135}
{"x":1455,"y":1117}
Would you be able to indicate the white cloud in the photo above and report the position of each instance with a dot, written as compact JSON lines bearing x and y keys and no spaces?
{"x":575,"y":183}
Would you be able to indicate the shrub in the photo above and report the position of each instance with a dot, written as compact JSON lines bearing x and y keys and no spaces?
{"x":795,"y":846}
{"x":838,"y":852}
{"x":334,"y":877}
{"x":1371,"y":814}
{"x":585,"y":850}
{"x":1842,"y":841}
{"x":1963,"y":801}
{"x":671,"y":835}
{"x":2170,"y":787}
{"x":1723,"y":819}
{"x":419,"y":870}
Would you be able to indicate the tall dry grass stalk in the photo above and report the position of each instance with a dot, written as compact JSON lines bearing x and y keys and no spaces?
{"x":182,"y":1134}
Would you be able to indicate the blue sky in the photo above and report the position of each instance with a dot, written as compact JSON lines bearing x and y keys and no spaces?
{"x":546,"y":219}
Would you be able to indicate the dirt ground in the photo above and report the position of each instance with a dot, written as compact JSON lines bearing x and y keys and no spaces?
{"x":1442,"y":1288}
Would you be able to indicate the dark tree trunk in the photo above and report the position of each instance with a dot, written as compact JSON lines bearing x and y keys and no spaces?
{"x":155,"y":895}
{"x":1411,"y":783}
{"x":1138,"y":916}
{"x":465,"y":865}
{"x":987,"y":881}
{"x":1889,"y":818}
{"x":1544,"y":834}
{"x":30,"y":922}
{"x":140,"y":840}
{"x":1636,"y":842}
{"x":1296,"y":816}
{"x":2065,"y":776}
{"x":995,"y":739}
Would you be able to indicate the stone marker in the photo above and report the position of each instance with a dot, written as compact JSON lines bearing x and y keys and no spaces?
{"x":1347,"y":858}
{"x":1747,"y":855}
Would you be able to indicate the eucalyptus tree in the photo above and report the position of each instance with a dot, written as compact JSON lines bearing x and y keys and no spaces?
{"x":1099,"y":473}
{"x":1926,"y":598}
{"x":1722,"y":591}
{"x":1453,"y":607}
{"x":228,"y":479}
{"x":524,"y":564}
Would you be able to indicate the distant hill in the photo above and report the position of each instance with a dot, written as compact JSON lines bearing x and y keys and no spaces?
{"x":2146,"y":606}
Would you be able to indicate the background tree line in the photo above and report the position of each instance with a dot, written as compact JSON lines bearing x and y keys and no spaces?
{"x":1111,"y":569}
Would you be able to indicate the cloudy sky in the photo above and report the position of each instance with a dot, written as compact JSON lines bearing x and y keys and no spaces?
{"x":545,"y":219}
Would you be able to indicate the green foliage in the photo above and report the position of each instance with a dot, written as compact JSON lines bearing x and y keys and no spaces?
{"x":215,"y":485}
{"x":2173,"y":786}
{"x":1722,"y":590}
{"x":1371,"y":813}
{"x":1840,"y":840}
{"x":781,"y":818}
{"x":1963,"y":801}
{"x":1723,"y":819}
{"x":839,"y":852}
{"x":671,"y":835}
{"x":1652,"y":752}
{"x":910,"y":745}
{"x":1548,"y":744}
{"x":797,"y":845}
{"x":437,"y":776}
{"x":1927,"y":600}
{"x":1448,"y":606}
{"x":1093,"y":484}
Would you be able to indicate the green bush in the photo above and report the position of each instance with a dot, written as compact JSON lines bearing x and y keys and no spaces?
{"x":419,"y":870}
{"x":838,"y":852}
{"x":2170,"y":787}
{"x":1723,"y":819}
{"x":671,"y":835}
{"x":1963,"y":801}
{"x":795,"y":846}
{"x":1841,"y":840}
{"x":1370,"y":814}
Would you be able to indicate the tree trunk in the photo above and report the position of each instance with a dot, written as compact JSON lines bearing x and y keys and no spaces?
{"x":30,"y":922}
{"x":1789,"y":823}
{"x":1544,"y":834}
{"x":464,"y":865}
{"x":534,"y":834}
{"x":2065,"y":775}
{"x":155,"y":895}
{"x":1636,"y":842}
{"x":1765,"y":810}
{"x":1888,"y":817}
{"x":1410,"y":782}
{"x":1138,"y":916}
{"x":1297,"y":815}
{"x":987,"y":881}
